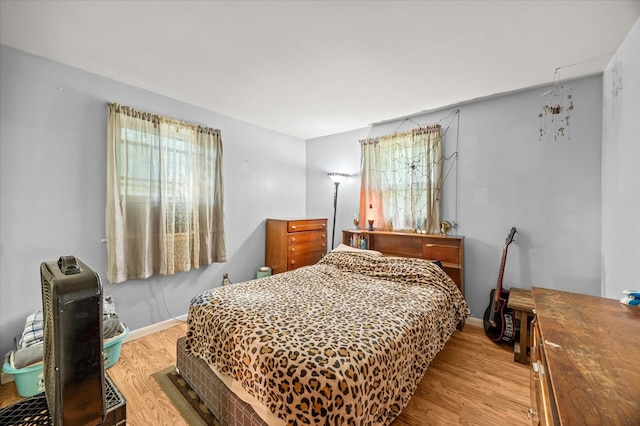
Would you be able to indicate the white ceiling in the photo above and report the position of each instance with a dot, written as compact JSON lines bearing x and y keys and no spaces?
{"x":313,"y":68}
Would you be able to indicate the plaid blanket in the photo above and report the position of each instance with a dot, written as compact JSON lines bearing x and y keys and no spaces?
{"x":33,"y":332}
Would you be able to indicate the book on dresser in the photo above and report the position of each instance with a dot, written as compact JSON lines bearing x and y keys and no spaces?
{"x":293,"y":243}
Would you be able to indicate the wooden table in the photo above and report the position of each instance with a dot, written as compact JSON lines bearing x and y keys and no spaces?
{"x":586,"y":358}
{"x":521,"y":301}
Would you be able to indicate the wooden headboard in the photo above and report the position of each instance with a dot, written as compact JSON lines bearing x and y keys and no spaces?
{"x":448,"y":250}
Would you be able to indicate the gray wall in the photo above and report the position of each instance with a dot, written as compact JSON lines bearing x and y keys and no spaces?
{"x":620,"y":171}
{"x":505,"y":177}
{"x":53,"y":122}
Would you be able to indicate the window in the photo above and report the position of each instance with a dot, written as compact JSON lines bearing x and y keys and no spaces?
{"x":164,"y":195}
{"x":401,"y":178}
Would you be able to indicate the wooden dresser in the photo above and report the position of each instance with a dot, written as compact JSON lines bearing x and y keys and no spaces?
{"x":585,"y":353}
{"x":293,"y":243}
{"x":448,"y":250}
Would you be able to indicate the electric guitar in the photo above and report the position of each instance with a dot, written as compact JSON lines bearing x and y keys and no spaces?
{"x":498,"y":319}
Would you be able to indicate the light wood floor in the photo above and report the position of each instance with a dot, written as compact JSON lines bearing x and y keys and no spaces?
{"x":471,"y":382}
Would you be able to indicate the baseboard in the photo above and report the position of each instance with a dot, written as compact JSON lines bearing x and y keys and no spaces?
{"x":475,"y":322}
{"x":154,"y":328}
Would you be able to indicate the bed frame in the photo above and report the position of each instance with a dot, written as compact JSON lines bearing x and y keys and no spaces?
{"x":223,"y":404}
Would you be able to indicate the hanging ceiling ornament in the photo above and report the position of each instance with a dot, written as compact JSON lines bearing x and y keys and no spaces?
{"x":556,"y":112}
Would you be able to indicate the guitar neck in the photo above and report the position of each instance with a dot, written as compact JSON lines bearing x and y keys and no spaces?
{"x":496,"y":297}
{"x":502,"y":265}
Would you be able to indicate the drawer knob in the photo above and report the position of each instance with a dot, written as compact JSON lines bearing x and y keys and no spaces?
{"x":293,"y":239}
{"x":293,"y":226}
{"x":293,"y":262}
{"x":324,"y":235}
{"x":324,"y":245}
{"x":293,"y":249}
{"x":324,"y":225}
{"x":537,"y":368}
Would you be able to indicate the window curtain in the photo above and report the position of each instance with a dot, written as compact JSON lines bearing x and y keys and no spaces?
{"x":401,"y":180}
{"x":164,"y":211}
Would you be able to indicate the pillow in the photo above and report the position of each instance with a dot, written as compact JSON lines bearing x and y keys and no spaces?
{"x":344,"y":247}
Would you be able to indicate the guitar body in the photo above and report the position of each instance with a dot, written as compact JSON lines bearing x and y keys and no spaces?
{"x":504,"y":329}
{"x":499,"y":324}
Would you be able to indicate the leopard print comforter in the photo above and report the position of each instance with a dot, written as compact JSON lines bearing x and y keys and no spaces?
{"x":342,"y":342}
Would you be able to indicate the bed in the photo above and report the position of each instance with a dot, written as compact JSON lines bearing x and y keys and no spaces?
{"x":345,"y":341}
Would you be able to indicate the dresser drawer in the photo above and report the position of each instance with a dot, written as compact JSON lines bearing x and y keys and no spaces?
{"x":308,"y":246}
{"x":307,"y":225}
{"x":544,"y":411}
{"x":444,"y":253}
{"x":305,"y":238}
{"x":313,"y":244}
{"x":534,"y":380}
{"x":299,"y":259}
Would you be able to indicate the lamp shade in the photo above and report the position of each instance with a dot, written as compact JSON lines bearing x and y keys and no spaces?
{"x":337,"y":177}
{"x":370,"y":215}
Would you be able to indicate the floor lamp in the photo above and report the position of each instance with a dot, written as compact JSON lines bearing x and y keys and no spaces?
{"x":336,"y":178}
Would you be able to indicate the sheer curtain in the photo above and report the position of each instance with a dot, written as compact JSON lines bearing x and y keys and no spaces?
{"x":164,"y":209}
{"x":401,"y":180}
